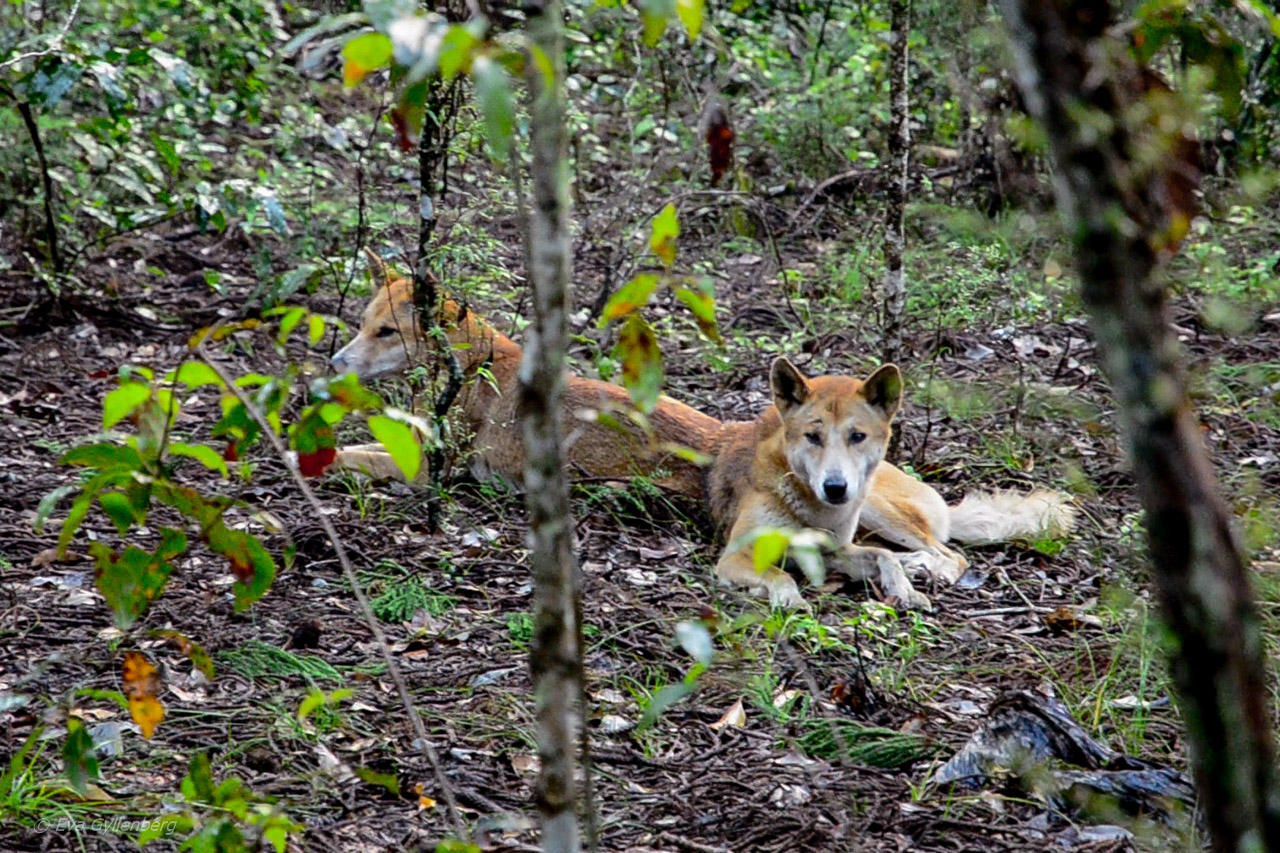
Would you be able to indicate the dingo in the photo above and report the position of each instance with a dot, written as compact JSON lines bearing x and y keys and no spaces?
{"x":389,"y":342}
{"x":814,"y":460}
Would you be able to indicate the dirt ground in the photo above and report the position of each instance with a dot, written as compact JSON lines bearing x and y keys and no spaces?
{"x":681,"y":784}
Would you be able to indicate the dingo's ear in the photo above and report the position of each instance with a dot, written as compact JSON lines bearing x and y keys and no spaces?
{"x":378,"y":268}
{"x":883,"y":389}
{"x":789,"y":386}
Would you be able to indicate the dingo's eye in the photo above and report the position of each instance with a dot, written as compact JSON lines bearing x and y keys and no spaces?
{"x":814,"y":438}
{"x":857,"y":437}
{"x":386,"y":331}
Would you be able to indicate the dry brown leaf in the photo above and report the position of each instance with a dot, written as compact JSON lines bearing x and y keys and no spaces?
{"x":736,"y":716}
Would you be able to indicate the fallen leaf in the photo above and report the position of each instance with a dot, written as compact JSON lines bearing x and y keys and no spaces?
{"x":736,"y":717}
{"x":141,"y":685}
{"x":528,"y":764}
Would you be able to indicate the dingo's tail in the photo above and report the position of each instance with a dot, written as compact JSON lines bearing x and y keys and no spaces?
{"x":1001,"y":516}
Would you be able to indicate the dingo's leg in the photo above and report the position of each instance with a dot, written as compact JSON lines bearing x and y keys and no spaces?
{"x":863,"y":563}
{"x":738,"y":568}
{"x":373,"y":461}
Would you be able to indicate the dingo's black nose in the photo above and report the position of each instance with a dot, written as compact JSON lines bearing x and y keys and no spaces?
{"x":835,"y":490}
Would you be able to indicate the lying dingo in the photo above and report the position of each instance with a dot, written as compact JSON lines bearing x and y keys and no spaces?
{"x":814,"y":460}
{"x":389,"y":342}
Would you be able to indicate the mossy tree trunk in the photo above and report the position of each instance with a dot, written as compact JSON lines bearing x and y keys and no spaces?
{"x":895,"y":240}
{"x":554,"y":657}
{"x":1117,"y":184}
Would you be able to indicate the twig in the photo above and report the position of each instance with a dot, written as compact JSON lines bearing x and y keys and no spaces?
{"x":54,"y":46}
{"x":51,"y":230}
{"x":393,"y":670}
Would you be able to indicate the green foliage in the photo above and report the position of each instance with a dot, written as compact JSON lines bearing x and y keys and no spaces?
{"x":868,"y":746}
{"x":398,"y":593}
{"x":520,"y":629}
{"x":257,"y":660}
{"x":78,"y":756}
{"x":224,"y":818}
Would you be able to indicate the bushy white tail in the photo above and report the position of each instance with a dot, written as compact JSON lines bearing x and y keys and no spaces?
{"x":1001,"y":516}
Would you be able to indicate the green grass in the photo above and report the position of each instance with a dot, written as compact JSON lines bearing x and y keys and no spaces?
{"x":256,"y":659}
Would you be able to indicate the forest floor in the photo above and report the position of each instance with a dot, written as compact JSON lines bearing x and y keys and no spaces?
{"x":1001,"y":395}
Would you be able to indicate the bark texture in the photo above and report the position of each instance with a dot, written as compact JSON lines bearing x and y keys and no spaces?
{"x":1115,"y":180}
{"x":895,"y":239}
{"x":553,"y":657}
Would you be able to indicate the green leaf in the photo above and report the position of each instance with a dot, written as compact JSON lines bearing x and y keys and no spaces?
{"x":656,"y":13}
{"x":194,"y":374}
{"x":292,"y":317}
{"x":75,"y":518}
{"x":165,"y":826}
{"x":202,"y":453}
{"x":313,"y":701}
{"x":493,"y":93}
{"x":691,"y":12}
{"x":661,"y":701}
{"x":198,"y":786}
{"x":701,"y":300}
{"x":119,"y":508}
{"x":49,"y":503}
{"x":641,"y":359}
{"x":769,"y":549}
{"x":315,"y":330}
{"x":456,"y":51}
{"x":168,"y":153}
{"x":385,"y":780}
{"x":363,"y":54}
{"x":400,"y":442}
{"x":633,"y":296}
{"x":666,"y":228}
{"x":194,"y":651}
{"x":312,"y":439}
{"x":131,"y":580}
{"x":122,"y":401}
{"x":252,"y":566}
{"x":80,"y":762}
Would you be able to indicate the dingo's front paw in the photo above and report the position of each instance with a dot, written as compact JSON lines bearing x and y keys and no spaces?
{"x":939,"y":566}
{"x":785,"y":595}
{"x":894,"y":582}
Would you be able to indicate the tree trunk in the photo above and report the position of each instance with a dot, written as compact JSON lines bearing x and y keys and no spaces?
{"x":1085,"y":88}
{"x":553,"y":657}
{"x":432,"y":150}
{"x":895,"y":238}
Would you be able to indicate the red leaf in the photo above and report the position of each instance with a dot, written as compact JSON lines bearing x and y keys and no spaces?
{"x":719,"y":136}
{"x":231,"y":452}
{"x":314,"y":464}
{"x":403,"y":136}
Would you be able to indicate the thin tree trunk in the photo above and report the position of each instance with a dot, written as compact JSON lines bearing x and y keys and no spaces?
{"x":432,"y":151}
{"x":1083,"y":85}
{"x":895,"y":239}
{"x":553,"y":657}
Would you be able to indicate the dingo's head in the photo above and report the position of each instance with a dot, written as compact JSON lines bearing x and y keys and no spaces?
{"x":389,"y":340}
{"x":836,"y":428}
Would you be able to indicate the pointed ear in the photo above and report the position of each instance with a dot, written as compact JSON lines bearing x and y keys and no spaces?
{"x":883,"y":389}
{"x":789,"y":386}
{"x":378,"y":268}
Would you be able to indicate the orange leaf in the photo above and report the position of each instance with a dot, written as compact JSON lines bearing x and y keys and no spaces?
{"x":141,"y":684}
